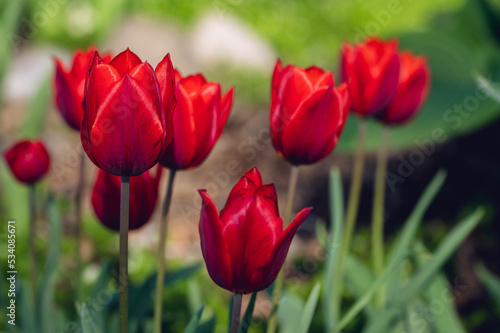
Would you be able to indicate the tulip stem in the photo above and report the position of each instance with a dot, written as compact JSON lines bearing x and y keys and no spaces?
{"x":77,"y":226}
{"x":378,"y":214}
{"x":351,"y":215}
{"x":123,"y":279}
{"x":235,"y":319}
{"x":32,"y":242}
{"x":278,"y":285}
{"x":161,"y":253}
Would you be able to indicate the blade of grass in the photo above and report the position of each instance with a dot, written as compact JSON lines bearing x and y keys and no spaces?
{"x":247,"y":317}
{"x":308,"y":312}
{"x":331,"y":277}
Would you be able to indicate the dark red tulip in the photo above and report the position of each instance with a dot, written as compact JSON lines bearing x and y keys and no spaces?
{"x":28,"y":160}
{"x":143,"y":197}
{"x":69,"y":86}
{"x":412,"y":91}
{"x":245,"y":246}
{"x":123,"y":128}
{"x":308,"y":113}
{"x":372,"y":70}
{"x":198,"y":121}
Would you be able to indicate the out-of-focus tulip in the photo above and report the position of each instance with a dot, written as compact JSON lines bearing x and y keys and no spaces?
{"x":372,"y":70}
{"x":245,"y":246}
{"x":308,"y":113}
{"x":143,"y":197}
{"x":28,"y":160}
{"x":412,"y":91}
{"x":198,"y":121}
{"x":123,"y":127}
{"x":69,"y":86}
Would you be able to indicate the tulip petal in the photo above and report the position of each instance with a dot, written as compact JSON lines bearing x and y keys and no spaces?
{"x":125,"y":61}
{"x":250,"y":242}
{"x":319,"y":78}
{"x":213,"y":246}
{"x":127,"y":135}
{"x":317,"y":121}
{"x":283,"y":244}
{"x":166,"y":76}
{"x":67,"y":97}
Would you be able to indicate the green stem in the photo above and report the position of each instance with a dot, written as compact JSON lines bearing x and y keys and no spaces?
{"x":161,"y":253}
{"x":352,"y":211}
{"x":32,"y":243}
{"x":235,"y":319}
{"x":77,"y":226}
{"x":378,"y":214}
{"x":123,"y":279}
{"x":278,"y":285}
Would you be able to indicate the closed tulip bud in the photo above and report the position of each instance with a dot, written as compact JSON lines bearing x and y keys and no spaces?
{"x":245,"y":245}
{"x":412,"y":91}
{"x":143,"y":198}
{"x":372,"y":70}
{"x":69,"y":86}
{"x":308,"y":113}
{"x":198,"y":121}
{"x":123,"y":129}
{"x":28,"y":160}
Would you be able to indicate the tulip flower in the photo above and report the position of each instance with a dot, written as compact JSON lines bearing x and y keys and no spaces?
{"x":245,"y":245}
{"x":198,"y":121}
{"x":308,"y":113}
{"x":69,"y":86}
{"x":28,"y":160}
{"x":412,"y":90}
{"x":123,"y":127}
{"x":372,"y":70}
{"x":143,"y":198}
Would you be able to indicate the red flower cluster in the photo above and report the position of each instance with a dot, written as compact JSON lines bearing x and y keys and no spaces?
{"x":384,"y":82}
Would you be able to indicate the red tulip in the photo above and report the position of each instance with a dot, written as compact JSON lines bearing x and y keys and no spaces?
{"x":245,"y":246}
{"x":143,"y":197}
{"x":372,"y":70}
{"x":412,"y":91}
{"x":69,"y":86}
{"x":198,"y":121}
{"x":28,"y":160}
{"x":123,"y":128}
{"x":307,"y":113}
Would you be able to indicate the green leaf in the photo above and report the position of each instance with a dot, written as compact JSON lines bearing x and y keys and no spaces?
{"x":247,"y":317}
{"x":193,"y":323}
{"x":490,"y":281}
{"x":308,"y":312}
{"x":405,"y":238}
{"x":429,"y":271}
{"x":141,"y":296}
{"x":358,"y":277}
{"x":440,"y":299}
{"x":290,"y":310}
{"x":46,"y":291}
{"x":28,"y":320}
{"x":367,"y":296}
{"x":330,"y":278}
{"x":87,"y":323}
